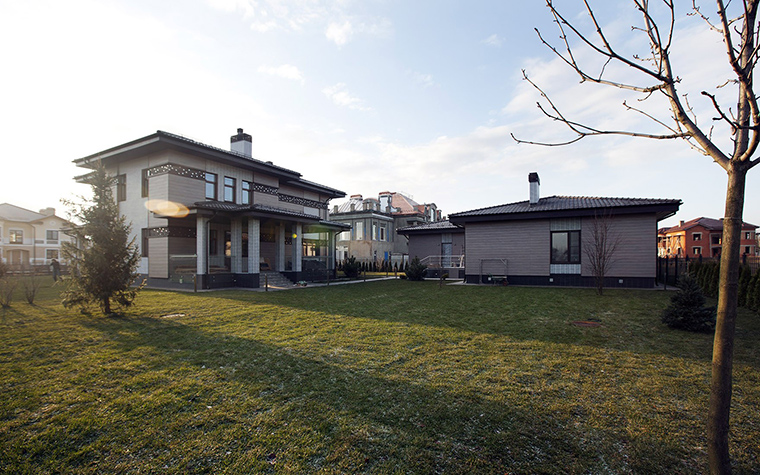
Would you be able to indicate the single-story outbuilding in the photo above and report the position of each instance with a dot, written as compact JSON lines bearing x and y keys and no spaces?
{"x":546,"y":241}
{"x":439,"y":245}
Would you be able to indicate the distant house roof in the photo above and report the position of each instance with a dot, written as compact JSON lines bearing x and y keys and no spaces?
{"x":564,"y":206}
{"x":167,"y":141}
{"x":707,"y":223}
{"x":431,"y":228}
{"x":11,"y":212}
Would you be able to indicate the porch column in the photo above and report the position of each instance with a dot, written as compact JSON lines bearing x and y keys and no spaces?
{"x":297,"y":248}
{"x":236,"y":246}
{"x":280,"y":257}
{"x":201,"y":245}
{"x":254,"y":247}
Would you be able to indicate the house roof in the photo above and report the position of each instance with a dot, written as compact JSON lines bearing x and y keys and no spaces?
{"x":167,"y":141}
{"x":707,"y":223}
{"x":564,"y":206}
{"x":11,"y":212}
{"x":431,"y":228}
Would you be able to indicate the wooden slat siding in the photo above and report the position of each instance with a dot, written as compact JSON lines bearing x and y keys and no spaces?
{"x":158,"y":263}
{"x":158,"y":190}
{"x":266,"y":199}
{"x":637,"y":251}
{"x":524,"y":243}
{"x":186,"y":190}
{"x":425,"y":245}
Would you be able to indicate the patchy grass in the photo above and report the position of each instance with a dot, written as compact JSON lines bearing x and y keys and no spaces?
{"x":383,"y":377}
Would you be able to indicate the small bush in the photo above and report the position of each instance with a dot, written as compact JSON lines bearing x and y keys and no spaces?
{"x":687,"y":309}
{"x":416,"y":270}
{"x":351,"y":267}
{"x":7,"y":286}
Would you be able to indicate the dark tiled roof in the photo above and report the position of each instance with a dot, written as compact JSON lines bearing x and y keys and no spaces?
{"x":435,"y":226}
{"x":565,"y":203}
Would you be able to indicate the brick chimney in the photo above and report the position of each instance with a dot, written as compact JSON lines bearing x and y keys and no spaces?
{"x":535,"y":183}
{"x":241,"y":143}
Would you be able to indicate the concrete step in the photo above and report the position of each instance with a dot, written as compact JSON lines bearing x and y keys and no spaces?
{"x":275,"y":280}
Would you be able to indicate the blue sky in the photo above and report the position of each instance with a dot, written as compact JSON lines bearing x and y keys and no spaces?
{"x":364,"y":96}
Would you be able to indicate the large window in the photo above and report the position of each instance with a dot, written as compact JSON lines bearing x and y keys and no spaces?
{"x":51,"y":236}
{"x":247,"y":196}
{"x":16,"y":236}
{"x":229,"y":189}
{"x":359,"y":230}
{"x":121,"y":188}
{"x":210,"y":186}
{"x":566,"y":247}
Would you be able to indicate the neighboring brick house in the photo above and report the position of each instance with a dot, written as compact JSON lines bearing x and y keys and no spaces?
{"x":373,"y":221}
{"x":701,"y":237}
{"x":543,"y":241}
{"x":30,"y":238}
{"x":219,"y":217}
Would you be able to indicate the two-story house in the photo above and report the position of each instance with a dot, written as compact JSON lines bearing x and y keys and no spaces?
{"x":701,"y":237}
{"x":215,"y":218}
{"x":374,"y":221}
{"x":28,"y":238}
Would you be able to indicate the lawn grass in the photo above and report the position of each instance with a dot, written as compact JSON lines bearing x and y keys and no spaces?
{"x":382,"y":377}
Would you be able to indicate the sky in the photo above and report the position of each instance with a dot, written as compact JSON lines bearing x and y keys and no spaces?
{"x":420,"y":97}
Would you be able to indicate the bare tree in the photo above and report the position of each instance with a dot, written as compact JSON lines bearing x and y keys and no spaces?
{"x":600,"y":245}
{"x":738,"y":28}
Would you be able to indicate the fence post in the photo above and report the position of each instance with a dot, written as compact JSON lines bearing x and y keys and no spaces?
{"x":667,"y":268}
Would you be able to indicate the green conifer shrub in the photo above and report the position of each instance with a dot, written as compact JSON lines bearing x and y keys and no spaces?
{"x":416,"y":270}
{"x":687,"y":309}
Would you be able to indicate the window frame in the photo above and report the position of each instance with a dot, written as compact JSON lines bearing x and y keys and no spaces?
{"x":15,"y":236}
{"x":145,"y":184}
{"x":121,"y":188}
{"x":570,"y":247}
{"x":51,"y":240}
{"x":212,"y":180}
{"x":696,"y":250}
{"x":696,"y":236}
{"x":228,"y":189}
{"x":246,"y":192}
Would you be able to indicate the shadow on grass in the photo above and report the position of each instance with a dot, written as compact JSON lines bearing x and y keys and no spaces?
{"x":630,"y":318}
{"x":362,"y":421}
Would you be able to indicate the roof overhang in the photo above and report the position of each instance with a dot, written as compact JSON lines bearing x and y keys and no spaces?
{"x":162,"y":141}
{"x":661,"y":211}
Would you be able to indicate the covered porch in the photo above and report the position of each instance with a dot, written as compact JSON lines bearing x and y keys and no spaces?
{"x":221,"y":245}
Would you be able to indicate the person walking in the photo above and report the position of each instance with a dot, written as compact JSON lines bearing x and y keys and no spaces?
{"x":56,"y":266}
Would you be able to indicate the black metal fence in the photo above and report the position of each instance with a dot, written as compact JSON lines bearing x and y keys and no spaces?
{"x":670,"y":269}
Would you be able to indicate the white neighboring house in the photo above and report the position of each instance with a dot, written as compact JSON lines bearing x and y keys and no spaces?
{"x":30,"y":238}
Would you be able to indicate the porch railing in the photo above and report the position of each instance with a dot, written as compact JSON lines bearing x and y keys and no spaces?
{"x":443,"y":261}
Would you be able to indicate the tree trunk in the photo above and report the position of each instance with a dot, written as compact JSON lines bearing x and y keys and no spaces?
{"x":723,"y":344}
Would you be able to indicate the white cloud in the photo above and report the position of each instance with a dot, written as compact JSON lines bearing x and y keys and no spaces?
{"x":339,"y":33}
{"x":334,"y":18}
{"x":343,"y":98}
{"x":285,"y":71}
{"x":493,"y":40}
